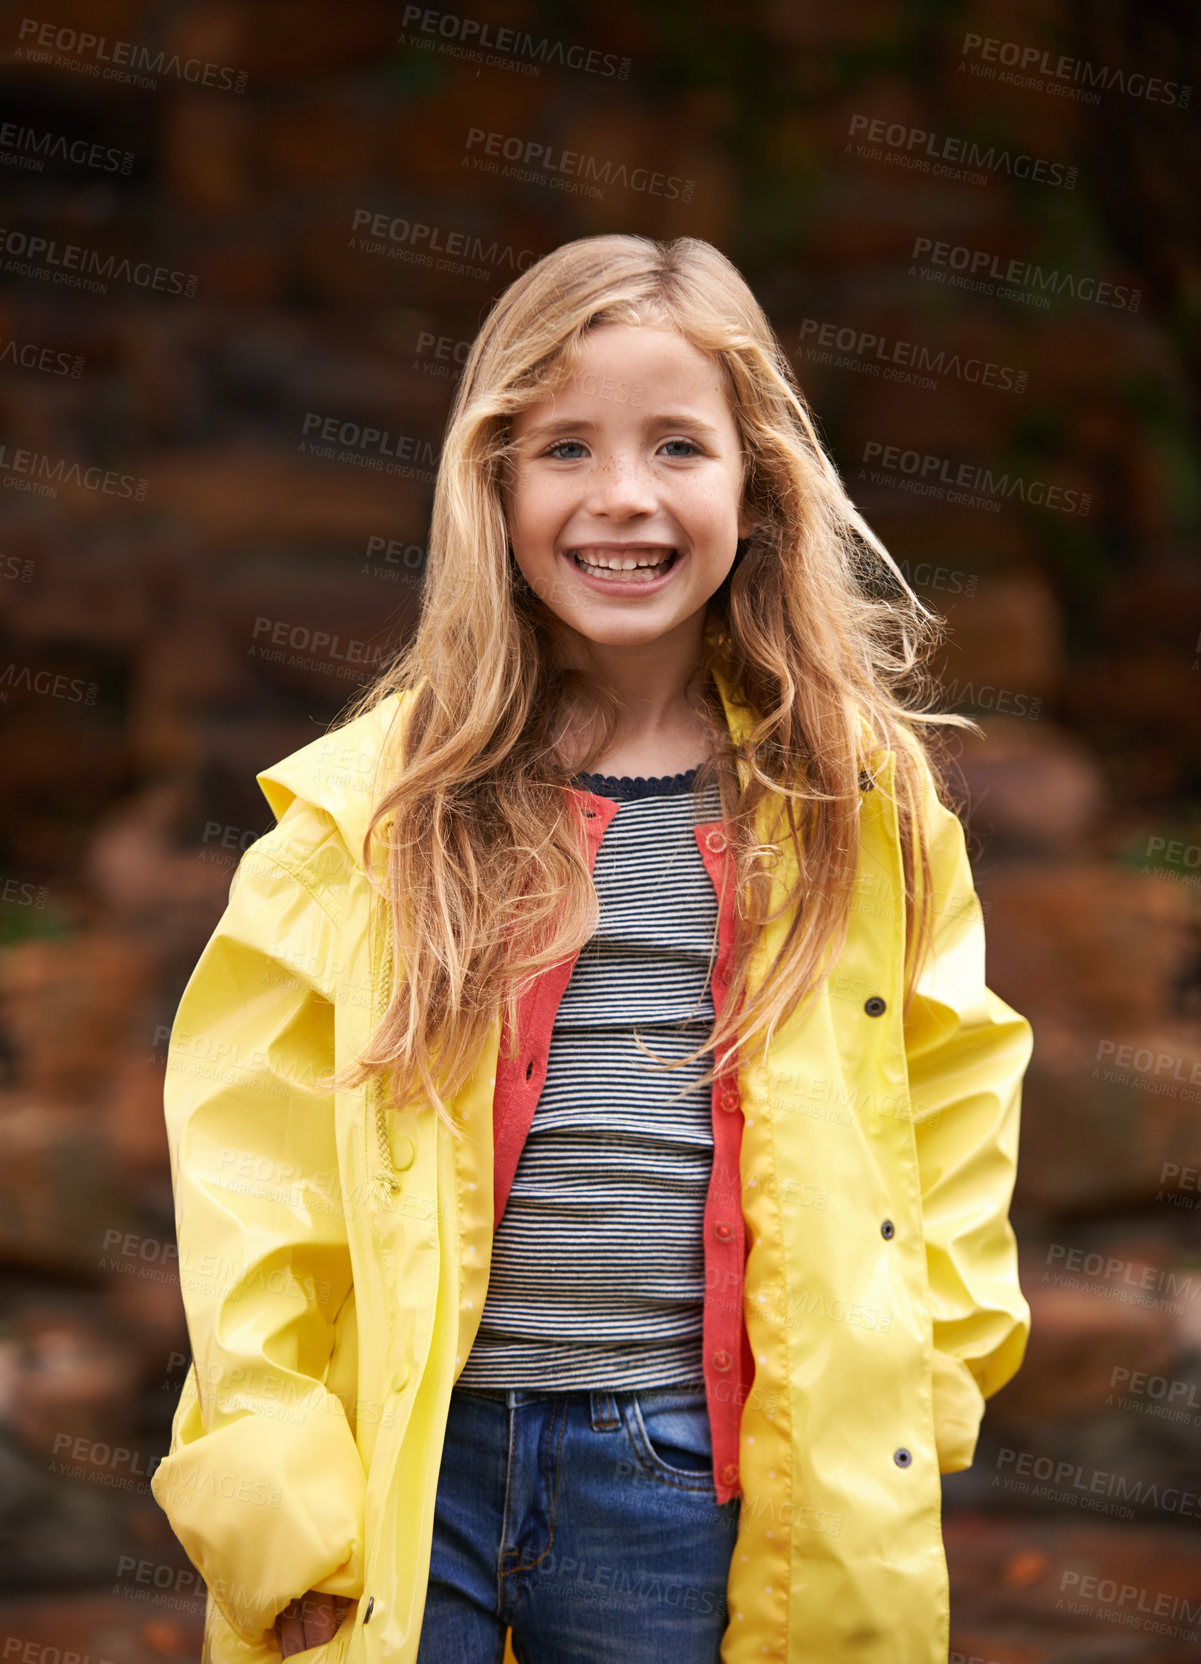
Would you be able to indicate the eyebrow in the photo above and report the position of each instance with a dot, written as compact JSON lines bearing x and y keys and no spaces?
{"x":666,"y":419}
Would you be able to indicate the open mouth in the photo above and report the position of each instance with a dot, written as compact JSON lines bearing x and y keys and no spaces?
{"x":634,"y":566}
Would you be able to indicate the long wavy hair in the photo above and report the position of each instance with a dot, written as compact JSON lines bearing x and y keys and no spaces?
{"x":481,"y":859}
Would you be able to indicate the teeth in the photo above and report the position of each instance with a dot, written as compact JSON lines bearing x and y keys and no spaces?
{"x":620,"y":563}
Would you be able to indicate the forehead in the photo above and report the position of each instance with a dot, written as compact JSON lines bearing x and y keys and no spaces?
{"x":640,"y":368}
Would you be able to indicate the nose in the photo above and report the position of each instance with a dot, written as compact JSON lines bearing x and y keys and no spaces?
{"x":620,"y":488}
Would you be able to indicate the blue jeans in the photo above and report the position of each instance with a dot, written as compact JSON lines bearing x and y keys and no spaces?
{"x":586,"y":1521}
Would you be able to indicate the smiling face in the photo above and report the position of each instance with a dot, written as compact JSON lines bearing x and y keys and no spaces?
{"x":624,"y":500}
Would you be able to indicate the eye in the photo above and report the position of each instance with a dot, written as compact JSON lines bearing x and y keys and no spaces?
{"x":555,"y":451}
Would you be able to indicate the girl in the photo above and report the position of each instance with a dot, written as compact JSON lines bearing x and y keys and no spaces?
{"x":520,"y":1323}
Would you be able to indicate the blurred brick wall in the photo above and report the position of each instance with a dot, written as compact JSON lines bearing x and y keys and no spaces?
{"x":1000,"y":350}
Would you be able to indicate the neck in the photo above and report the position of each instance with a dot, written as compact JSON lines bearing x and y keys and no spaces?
{"x":669,"y":747}
{"x":650,"y":678}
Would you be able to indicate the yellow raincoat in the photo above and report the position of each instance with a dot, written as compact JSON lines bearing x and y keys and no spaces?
{"x":334,"y":1255}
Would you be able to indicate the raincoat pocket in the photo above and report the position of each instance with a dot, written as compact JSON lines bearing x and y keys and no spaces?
{"x":222,"y":1642}
{"x":334,"y":1650}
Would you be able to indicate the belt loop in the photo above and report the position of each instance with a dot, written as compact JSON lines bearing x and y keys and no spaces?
{"x":605,"y":1414}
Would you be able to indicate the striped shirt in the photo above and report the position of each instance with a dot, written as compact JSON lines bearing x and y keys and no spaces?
{"x":598,"y":1273}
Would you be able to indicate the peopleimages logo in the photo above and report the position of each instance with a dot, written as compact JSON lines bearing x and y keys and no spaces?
{"x":1033,"y":66}
{"x":24,"y":678}
{"x":412,"y":241}
{"x":970,"y":483}
{"x":43,"y":475}
{"x":51,"y":43}
{"x":49,"y":360}
{"x":945,"y":157}
{"x":1022,"y":280}
{"x":536,"y":161}
{"x":30,"y":148}
{"x":364,"y":446}
{"x":481,"y":43}
{"x":910,"y":362}
{"x":33,"y":256}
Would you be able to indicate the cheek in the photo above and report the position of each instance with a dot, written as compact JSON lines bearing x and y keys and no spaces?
{"x":713,"y":510}
{"x":536,"y":510}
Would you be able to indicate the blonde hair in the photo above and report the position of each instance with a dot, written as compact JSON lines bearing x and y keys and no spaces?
{"x":487,"y":879}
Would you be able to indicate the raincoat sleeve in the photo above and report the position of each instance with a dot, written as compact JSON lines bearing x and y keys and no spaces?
{"x":967,"y":1052}
{"x":263,"y":1484}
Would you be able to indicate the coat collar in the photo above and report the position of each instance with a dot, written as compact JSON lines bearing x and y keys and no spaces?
{"x":337,"y":772}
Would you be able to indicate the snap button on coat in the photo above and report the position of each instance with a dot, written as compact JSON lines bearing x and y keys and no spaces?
{"x":403,"y":1150}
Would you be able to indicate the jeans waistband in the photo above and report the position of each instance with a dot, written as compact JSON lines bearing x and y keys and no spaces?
{"x":686,"y":1392}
